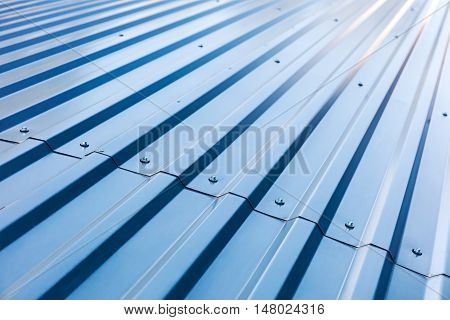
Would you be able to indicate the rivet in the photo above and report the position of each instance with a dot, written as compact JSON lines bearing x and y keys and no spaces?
{"x":360,"y":84}
{"x":200,"y":46}
{"x":396,"y":36}
{"x":350,"y":225}
{"x":279,"y":9}
{"x":336,"y":19}
{"x":24,"y":130}
{"x":145,"y":160}
{"x":121,"y":35}
{"x":277,"y":60}
{"x":417,"y":252}
{"x":213,"y":179}
{"x":444,"y":114}
{"x":279,"y":201}
{"x":84,"y":144}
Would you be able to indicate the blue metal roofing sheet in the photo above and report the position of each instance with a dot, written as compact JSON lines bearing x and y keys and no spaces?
{"x":225,"y":149}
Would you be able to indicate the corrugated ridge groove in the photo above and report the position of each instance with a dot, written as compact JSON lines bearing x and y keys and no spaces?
{"x":72,"y":44}
{"x":297,"y":272}
{"x":394,"y":246}
{"x":74,"y":278}
{"x":55,"y":101}
{"x":22,"y":16}
{"x":212,"y":231}
{"x":30,"y":5}
{"x":25,"y":223}
{"x":129,"y":101}
{"x":60,"y":69}
{"x":49,"y":36}
{"x":60,"y":13}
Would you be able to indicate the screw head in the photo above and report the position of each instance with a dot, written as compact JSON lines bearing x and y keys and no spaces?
{"x":444,"y":114}
{"x":277,"y":61}
{"x":24,"y":130}
{"x":213,"y":179}
{"x":200,"y":45}
{"x":417,"y":252}
{"x":84,"y":144}
{"x":360,"y":84}
{"x":144,"y":160}
{"x":350,"y":225}
{"x":280,"y":201}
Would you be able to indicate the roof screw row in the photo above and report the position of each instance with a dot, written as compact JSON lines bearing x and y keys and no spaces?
{"x":280,"y":201}
{"x":213,"y":179}
{"x":417,"y":252}
{"x":24,"y":130}
{"x":84,"y":144}
{"x":350,"y":225}
{"x":144,"y":160}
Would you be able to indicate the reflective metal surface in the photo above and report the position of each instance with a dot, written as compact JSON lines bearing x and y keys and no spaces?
{"x":274,"y":149}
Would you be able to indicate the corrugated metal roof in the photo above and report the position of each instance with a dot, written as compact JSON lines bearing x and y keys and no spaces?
{"x":225,"y":149}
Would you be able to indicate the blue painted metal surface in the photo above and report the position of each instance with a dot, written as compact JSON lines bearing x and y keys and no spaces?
{"x":350,"y":198}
